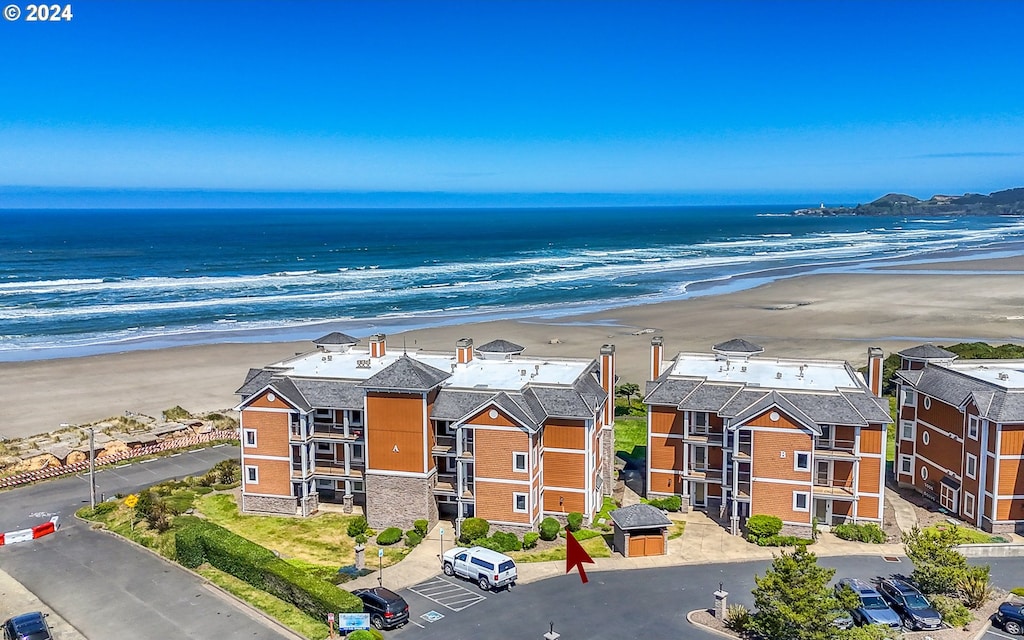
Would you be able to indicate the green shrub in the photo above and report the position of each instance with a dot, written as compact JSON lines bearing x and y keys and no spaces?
{"x":549,"y":528}
{"x":365,"y":634}
{"x":220,"y":486}
{"x":501,"y":541}
{"x":412,"y":538}
{"x":420,"y":527}
{"x":574,"y":521}
{"x":1017,"y":591}
{"x":389,"y":536}
{"x":867,"y":532}
{"x":975,"y":588}
{"x":737,"y":618}
{"x":473,"y":529}
{"x":176,"y":413}
{"x":104,"y":507}
{"x":953,"y":612}
{"x":784,"y":541}
{"x":668,"y":503}
{"x":188,"y":548}
{"x":357,"y":526}
{"x":203,"y":490}
{"x":145,"y":503}
{"x":361,"y":538}
{"x":762,"y":526}
{"x":530,"y":539}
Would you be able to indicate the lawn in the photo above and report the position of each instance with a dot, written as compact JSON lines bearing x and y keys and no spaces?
{"x":630,"y":433}
{"x":966,"y":535}
{"x":890,"y":439}
{"x":598,"y":546}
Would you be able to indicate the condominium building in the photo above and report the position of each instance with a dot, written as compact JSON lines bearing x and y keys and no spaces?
{"x":961,"y":435}
{"x":739,"y":434}
{"x":485,"y":431}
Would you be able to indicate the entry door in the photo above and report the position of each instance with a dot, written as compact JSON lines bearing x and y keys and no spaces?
{"x":823,"y":511}
{"x":948,"y":497}
{"x":700,"y":494}
{"x":823,"y":473}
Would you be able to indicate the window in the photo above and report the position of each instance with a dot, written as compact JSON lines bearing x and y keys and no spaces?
{"x":323,"y":447}
{"x":519,"y":461}
{"x":250,"y":437}
{"x":326,"y":414}
{"x":801,"y":500}
{"x":948,"y":497}
{"x":519,"y":502}
{"x":972,"y":427}
{"x":355,"y":418}
{"x":357,"y":486}
{"x":357,"y":452}
{"x":801,"y":461}
{"x":252,"y":475}
{"x":699,"y":422}
{"x":969,"y":505}
{"x":927,"y":402}
{"x":972,"y":466}
{"x":924,"y":473}
{"x":926,"y":437}
{"x":907,"y":465}
{"x":907,"y":430}
{"x":909,"y":398}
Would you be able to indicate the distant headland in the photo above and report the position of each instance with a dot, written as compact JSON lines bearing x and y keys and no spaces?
{"x":1007,"y":202}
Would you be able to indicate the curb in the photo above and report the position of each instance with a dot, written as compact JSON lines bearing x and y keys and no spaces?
{"x":226,"y":595}
{"x":30,"y":534}
{"x":706,"y":628}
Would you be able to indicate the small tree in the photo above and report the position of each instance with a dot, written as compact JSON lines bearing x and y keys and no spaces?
{"x":549,"y":528}
{"x":793,"y":599}
{"x":472,"y":529}
{"x":627,"y":390}
{"x":938,"y":567}
{"x":574,"y":521}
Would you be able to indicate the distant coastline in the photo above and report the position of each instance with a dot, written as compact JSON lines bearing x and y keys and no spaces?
{"x":1009,"y":202}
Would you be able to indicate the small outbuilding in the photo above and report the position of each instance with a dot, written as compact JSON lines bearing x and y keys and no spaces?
{"x":640,"y":530}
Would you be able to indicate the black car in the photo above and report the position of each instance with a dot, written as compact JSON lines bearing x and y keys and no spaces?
{"x":1010,"y":617}
{"x":905,"y":599}
{"x":387,"y":609}
{"x":28,"y":626}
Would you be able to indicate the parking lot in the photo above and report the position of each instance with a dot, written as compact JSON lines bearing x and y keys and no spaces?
{"x":454,"y":597}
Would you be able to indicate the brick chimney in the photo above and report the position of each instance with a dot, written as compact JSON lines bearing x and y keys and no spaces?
{"x":875,"y":358}
{"x":608,"y":381}
{"x":378,"y":345}
{"x":464,"y":350}
{"x":657,"y":355}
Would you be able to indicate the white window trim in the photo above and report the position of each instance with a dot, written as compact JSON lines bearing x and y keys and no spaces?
{"x":927,"y":403}
{"x":256,"y":470}
{"x":967,"y":466}
{"x":968,"y":497}
{"x":796,"y":461}
{"x":912,"y":426}
{"x":926,"y":438}
{"x":526,"y":461}
{"x":526,"y":503}
{"x":807,"y":501}
{"x":924,"y":472}
{"x":973,"y":421}
{"x":910,"y":459}
{"x":909,"y":398}
{"x":245,"y":438}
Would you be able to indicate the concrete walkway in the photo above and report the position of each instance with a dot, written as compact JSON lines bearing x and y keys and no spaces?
{"x":703,"y":542}
{"x":905,"y":512}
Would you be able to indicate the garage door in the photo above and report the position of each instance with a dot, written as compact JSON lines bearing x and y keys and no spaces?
{"x":653,"y":545}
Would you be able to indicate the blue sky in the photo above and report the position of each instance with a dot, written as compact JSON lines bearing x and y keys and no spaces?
{"x":670,"y":101}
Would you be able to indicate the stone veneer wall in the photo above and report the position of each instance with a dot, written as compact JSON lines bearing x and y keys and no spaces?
{"x":398,"y":501}
{"x":268,"y":504}
{"x":312,"y":503}
{"x":608,"y":460}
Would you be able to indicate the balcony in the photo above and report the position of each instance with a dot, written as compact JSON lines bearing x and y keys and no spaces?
{"x":702,"y":472}
{"x":337,"y":469}
{"x":835,"y":449}
{"x":707,"y":437}
{"x":297,"y":472}
{"x":336,"y":432}
{"x":838,"y":490}
{"x":446,"y":486}
{"x":443,"y":445}
{"x":744,"y":451}
{"x":467,"y":449}
{"x":295,"y":433}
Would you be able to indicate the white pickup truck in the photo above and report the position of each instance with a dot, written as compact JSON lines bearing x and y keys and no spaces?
{"x":489,"y":569}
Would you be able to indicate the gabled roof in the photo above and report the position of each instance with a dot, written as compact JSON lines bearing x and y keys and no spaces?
{"x":738,"y":345}
{"x":913,"y":376}
{"x":669,"y":391}
{"x":406,"y":374}
{"x":255,"y":380}
{"x":874,"y":410}
{"x":454,"y":405}
{"x":741,"y":400}
{"x":333,"y":394}
{"x":285,"y":388}
{"x":782,"y":402}
{"x":559,"y":403}
{"x":507,"y":404}
{"x":336,"y":337}
{"x":501,"y":346}
{"x":927,"y":352}
{"x":709,"y":397}
{"x":826,"y":408}
{"x":639,"y":516}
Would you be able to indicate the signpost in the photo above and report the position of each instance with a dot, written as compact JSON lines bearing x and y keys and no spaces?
{"x":348,"y":622}
{"x":380,"y":566}
{"x":130,"y":502}
{"x":442,"y":544}
{"x":330,"y":621}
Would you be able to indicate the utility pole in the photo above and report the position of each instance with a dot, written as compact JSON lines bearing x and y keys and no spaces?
{"x":92,"y":469}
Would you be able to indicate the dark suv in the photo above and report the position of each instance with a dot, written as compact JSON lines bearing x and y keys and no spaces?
{"x":1010,"y":617}
{"x":387,"y":609}
{"x":904,"y":598}
{"x":28,"y":626}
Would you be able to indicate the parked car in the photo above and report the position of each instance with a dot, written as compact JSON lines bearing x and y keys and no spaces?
{"x":872,"y":609}
{"x":387,"y":609}
{"x":843,"y":620}
{"x":1010,"y":616}
{"x":489,"y":569}
{"x":27,"y":626}
{"x":910,"y":605}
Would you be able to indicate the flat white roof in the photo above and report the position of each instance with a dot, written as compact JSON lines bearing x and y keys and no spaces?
{"x":1008,"y":374}
{"x":490,"y":373}
{"x":770,"y":373}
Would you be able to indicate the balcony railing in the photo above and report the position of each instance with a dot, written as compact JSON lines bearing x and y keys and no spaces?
{"x":835,"y":448}
{"x":323,"y":468}
{"x":446,"y":485}
{"x":443,"y":445}
{"x":336,"y":432}
{"x":837,"y":489}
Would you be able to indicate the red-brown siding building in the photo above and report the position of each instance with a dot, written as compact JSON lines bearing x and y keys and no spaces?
{"x":740,"y":434}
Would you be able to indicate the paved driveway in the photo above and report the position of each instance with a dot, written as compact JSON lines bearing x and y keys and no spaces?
{"x":108,"y":588}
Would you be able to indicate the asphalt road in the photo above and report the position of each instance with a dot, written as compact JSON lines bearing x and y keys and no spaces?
{"x":105,"y":587}
{"x":650,"y":603}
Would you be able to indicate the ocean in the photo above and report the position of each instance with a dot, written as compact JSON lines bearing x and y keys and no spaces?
{"x":76,"y":282}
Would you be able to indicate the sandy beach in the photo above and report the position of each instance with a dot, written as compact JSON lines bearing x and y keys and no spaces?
{"x":823,"y":316}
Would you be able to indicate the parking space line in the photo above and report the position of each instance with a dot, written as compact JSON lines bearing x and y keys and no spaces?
{"x":452,"y":596}
{"x":1001,"y":635}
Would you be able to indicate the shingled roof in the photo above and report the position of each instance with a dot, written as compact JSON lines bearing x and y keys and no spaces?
{"x":738,"y":345}
{"x":957,"y":388}
{"x":255,"y":380}
{"x":336,"y":337}
{"x":639,"y":516}
{"x":334,"y":394}
{"x":406,"y":374}
{"x":927,"y":352}
{"x":501,"y":346}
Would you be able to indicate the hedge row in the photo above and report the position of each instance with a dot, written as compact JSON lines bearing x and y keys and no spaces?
{"x":198,"y":541}
{"x":867,"y":532}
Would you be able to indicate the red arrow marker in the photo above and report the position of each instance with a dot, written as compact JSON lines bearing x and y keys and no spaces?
{"x":576,"y":556}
